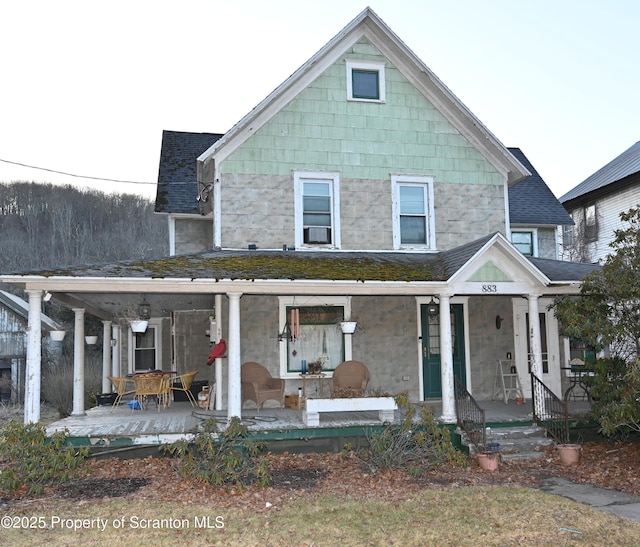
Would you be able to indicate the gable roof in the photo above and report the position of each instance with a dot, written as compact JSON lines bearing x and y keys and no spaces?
{"x":624,"y":165}
{"x":368,"y":25}
{"x":546,"y":209}
{"x":177,"y":181}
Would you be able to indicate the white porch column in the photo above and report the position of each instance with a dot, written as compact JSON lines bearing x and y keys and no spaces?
{"x":446,"y":361}
{"x":218,"y":362}
{"x":535,"y":342}
{"x":233,"y":352}
{"x":78,"y":363}
{"x":535,"y":348}
{"x":106,"y":356}
{"x":115,"y":350}
{"x":34,"y":355}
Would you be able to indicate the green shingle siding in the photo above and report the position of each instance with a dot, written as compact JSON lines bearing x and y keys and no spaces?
{"x":321,"y":130}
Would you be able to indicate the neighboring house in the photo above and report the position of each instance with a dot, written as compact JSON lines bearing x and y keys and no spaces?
{"x":360,"y":188}
{"x":14,"y":312}
{"x":595,"y":205}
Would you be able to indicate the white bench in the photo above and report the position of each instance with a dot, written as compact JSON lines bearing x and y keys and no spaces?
{"x":313,"y":407}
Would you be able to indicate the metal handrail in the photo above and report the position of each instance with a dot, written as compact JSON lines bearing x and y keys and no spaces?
{"x":470,"y":416}
{"x":549,"y":411}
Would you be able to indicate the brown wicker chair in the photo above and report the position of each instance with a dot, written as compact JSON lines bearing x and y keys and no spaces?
{"x":185,"y":385}
{"x":151,"y":386}
{"x":121,"y":388}
{"x":259,"y":386}
{"x":350,"y":379}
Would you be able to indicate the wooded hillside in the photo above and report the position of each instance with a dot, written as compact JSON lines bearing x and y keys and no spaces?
{"x":44,"y":225}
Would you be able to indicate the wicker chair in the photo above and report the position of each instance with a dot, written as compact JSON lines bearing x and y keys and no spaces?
{"x":185,"y":385}
{"x":155,"y":386}
{"x":121,"y":388}
{"x":350,"y":379}
{"x":259,"y":386}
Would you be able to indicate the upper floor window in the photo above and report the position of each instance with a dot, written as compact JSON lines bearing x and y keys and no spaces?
{"x":413,"y":217}
{"x":365,"y":81}
{"x":524,"y":242}
{"x":590,"y":223}
{"x":317,"y":209}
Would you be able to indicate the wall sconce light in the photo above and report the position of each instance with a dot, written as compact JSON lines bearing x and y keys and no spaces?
{"x":433,"y":308}
{"x":47,"y":296}
{"x":499,"y":321}
{"x":144,"y":310}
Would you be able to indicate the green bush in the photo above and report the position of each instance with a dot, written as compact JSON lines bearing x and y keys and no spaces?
{"x":28,"y":458}
{"x":222,"y":456}
{"x":415,"y":446}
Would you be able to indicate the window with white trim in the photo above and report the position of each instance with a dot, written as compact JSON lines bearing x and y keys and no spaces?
{"x":317,"y":209}
{"x":413,"y":215}
{"x":318,"y":337}
{"x":365,"y":81}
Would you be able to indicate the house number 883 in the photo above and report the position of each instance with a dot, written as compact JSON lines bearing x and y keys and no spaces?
{"x":489,"y":288}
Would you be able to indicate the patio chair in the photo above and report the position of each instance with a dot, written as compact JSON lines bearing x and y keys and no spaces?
{"x":259,"y":386}
{"x":185,"y":385}
{"x":151,"y":386}
{"x":121,"y":388}
{"x":350,"y":378}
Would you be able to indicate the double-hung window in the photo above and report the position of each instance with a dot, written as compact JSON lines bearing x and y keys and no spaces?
{"x":317,"y":209}
{"x":413,"y":216}
{"x":525,"y":242}
{"x":365,"y":81}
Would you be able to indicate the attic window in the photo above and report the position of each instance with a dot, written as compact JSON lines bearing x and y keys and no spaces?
{"x":365,"y":81}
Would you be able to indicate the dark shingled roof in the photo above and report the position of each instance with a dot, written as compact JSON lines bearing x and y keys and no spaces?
{"x":531,"y":201}
{"x":559,"y":270}
{"x":177,"y":176}
{"x":292,"y":265}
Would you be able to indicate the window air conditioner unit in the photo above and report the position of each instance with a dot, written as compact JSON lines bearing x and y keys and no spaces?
{"x":317,"y":234}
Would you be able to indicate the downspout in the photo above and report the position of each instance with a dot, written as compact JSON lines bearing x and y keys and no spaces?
{"x":217,"y":214}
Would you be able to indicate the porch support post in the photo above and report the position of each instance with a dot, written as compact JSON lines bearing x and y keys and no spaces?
{"x":535,"y":347}
{"x":106,"y":356}
{"x":78,"y":363}
{"x":115,"y":350}
{"x":446,"y":361}
{"x":218,"y":362}
{"x":233,"y":352}
{"x":34,"y":355}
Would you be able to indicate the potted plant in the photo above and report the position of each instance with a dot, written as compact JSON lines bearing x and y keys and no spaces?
{"x":348,"y":327}
{"x":569,"y":453}
{"x":489,"y":460}
{"x":138,"y":325}
{"x":91,"y":340}
{"x":57,"y":335}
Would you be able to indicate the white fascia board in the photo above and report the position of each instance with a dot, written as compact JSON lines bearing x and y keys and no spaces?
{"x":515,"y":256}
{"x":212,"y":286}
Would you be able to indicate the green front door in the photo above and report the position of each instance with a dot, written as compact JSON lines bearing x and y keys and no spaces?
{"x":431,"y":374}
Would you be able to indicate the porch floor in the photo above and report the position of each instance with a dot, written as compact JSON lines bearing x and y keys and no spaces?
{"x":104,"y":426}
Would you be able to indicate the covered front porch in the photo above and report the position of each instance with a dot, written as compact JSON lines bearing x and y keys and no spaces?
{"x":104,"y":427}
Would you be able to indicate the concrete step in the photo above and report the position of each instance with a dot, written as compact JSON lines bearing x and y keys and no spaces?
{"x":516,"y":443}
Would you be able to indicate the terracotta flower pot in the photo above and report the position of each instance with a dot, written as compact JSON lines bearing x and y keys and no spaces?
{"x":489,"y":461}
{"x":569,"y":453}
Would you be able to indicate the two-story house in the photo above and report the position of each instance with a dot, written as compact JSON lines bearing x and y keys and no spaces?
{"x":361,"y":188}
{"x":596,"y":203}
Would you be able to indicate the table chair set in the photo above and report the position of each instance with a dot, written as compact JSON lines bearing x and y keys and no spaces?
{"x":156,"y":386}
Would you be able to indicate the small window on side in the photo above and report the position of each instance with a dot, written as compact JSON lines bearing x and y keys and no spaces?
{"x":365,"y":81}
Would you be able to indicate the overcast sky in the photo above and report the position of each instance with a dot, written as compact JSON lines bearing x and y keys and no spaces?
{"x":89,"y":85}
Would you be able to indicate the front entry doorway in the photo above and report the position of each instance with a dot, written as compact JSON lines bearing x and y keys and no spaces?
{"x":431,"y":371}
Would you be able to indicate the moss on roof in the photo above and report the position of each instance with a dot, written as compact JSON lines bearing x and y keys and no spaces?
{"x":270,"y":265}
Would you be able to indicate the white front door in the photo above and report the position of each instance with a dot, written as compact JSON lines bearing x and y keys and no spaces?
{"x":550,"y":346}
